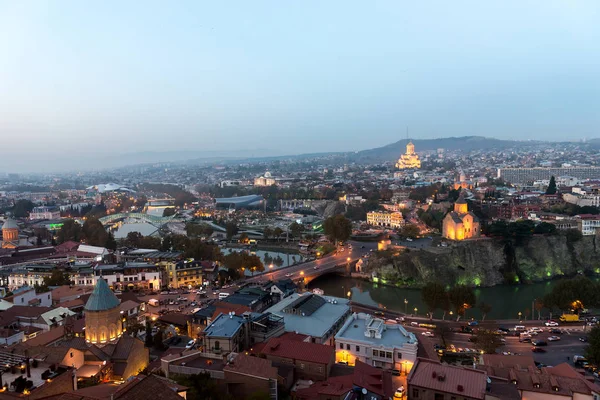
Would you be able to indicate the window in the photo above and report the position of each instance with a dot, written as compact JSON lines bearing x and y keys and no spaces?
{"x":347,"y":347}
{"x":342,"y":346}
{"x":357,"y":348}
{"x":415,"y":393}
{"x":438,"y":396}
{"x":301,"y":365}
{"x":22,"y":300}
{"x":48,"y":297}
{"x":375,"y":353}
{"x":399,"y":356}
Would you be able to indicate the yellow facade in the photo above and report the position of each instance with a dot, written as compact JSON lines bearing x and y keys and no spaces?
{"x":385,"y":219}
{"x":410,"y":159}
{"x":103,"y":326}
{"x":460,"y":224}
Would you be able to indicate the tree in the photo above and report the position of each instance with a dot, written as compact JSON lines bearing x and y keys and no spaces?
{"x":573,"y":294}
{"x":545,"y":228}
{"x":338,"y":228}
{"x":133,"y":239}
{"x":552,"y":186}
{"x":277,"y":232}
{"x":57,"y":278}
{"x":434,"y":296}
{"x":461,"y":297}
{"x":592,"y":351}
{"x":487,"y":341}
{"x":539,"y":306}
{"x":267,"y":232}
{"x":231,"y":229}
{"x":157,"y":340}
{"x":93,"y":232}
{"x":244,"y":238}
{"x":22,"y":208}
{"x":296,"y":229}
{"x":169,"y":212}
{"x":69,"y":231}
{"x":148,"y":341}
{"x":410,"y":231}
{"x":485,"y":308}
{"x":443,"y":331}
{"x":111,"y":243}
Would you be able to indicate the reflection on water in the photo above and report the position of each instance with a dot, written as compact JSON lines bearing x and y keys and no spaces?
{"x":122,"y":229}
{"x":506,"y":301}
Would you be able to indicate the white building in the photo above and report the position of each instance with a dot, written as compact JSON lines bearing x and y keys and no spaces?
{"x":588,"y":224}
{"x":26,"y":296}
{"x":376,"y":343}
{"x":44,"y":212}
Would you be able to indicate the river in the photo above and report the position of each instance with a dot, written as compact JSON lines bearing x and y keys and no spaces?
{"x":506,"y":300}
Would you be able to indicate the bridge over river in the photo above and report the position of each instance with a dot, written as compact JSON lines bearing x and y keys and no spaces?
{"x":151,"y":219}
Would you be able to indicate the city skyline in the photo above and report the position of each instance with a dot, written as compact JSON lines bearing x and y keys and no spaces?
{"x":96,"y":80}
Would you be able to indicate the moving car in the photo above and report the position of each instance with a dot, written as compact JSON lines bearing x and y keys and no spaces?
{"x":553,"y":338}
{"x":190,"y":344}
{"x":583,"y":339}
{"x":537,"y":350}
{"x":551,"y":323}
{"x":473,"y":323}
{"x":539,"y":343}
{"x":427,"y":334}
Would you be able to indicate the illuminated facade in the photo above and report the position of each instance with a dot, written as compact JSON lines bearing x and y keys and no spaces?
{"x":410,"y":159}
{"x":266,"y":180}
{"x":461,"y":224}
{"x":103,"y":322}
{"x":10,"y":234}
{"x":385,"y":219}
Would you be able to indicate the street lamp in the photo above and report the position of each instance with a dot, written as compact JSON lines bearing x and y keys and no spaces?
{"x":520,"y":316}
{"x":405,"y":306}
{"x":416,"y":310}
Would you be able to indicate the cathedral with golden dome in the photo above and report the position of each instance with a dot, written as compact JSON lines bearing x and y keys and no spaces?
{"x":409,"y":160}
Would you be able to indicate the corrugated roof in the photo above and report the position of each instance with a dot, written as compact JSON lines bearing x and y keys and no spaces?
{"x":459,"y":381}
{"x":102,"y":298}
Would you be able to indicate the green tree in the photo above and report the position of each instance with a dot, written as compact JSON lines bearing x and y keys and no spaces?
{"x":22,"y":208}
{"x":157,"y":340}
{"x":150,"y":242}
{"x":552,"y":186}
{"x":111,"y":243}
{"x":148,"y":341}
{"x":485,"y":308}
{"x":93,"y":232}
{"x":592,"y":351}
{"x":296,"y":229}
{"x":487,"y":341}
{"x":545,"y":228}
{"x":461,"y":297}
{"x":169,"y":212}
{"x":410,"y":231}
{"x":231,"y":229}
{"x":69,"y":231}
{"x":277,"y":232}
{"x":133,"y":239}
{"x":573,"y":294}
{"x":267,"y":232}
{"x":434,"y":296}
{"x":443,"y":331}
{"x":338,"y":228}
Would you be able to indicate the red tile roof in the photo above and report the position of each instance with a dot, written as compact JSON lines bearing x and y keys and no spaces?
{"x":464,"y":382}
{"x":253,"y":366}
{"x":309,"y":352}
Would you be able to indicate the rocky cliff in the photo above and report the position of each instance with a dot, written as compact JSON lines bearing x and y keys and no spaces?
{"x":489,"y":262}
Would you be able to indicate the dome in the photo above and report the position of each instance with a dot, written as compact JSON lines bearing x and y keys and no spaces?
{"x":10,"y":224}
{"x":267,"y":174}
{"x":102,"y":298}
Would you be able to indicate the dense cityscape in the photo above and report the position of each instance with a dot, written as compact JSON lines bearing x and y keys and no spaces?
{"x":277,"y":278}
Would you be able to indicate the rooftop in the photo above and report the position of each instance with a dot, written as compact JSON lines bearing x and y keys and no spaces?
{"x":320,"y":313}
{"x":225,"y":325}
{"x":303,"y":351}
{"x":102,"y":298}
{"x":364,"y":328}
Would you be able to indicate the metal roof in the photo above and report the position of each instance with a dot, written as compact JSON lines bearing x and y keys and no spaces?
{"x":102,"y":298}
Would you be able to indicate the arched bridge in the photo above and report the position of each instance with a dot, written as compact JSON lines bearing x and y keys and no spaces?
{"x":151,"y":219}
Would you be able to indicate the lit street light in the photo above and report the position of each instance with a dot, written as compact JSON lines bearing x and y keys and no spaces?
{"x":405,"y":306}
{"x":416,"y":310}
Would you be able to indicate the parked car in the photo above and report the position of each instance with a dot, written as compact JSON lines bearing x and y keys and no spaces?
{"x":190,"y":344}
{"x":539,"y":343}
{"x":556,"y":331}
{"x":399,"y":393}
{"x":473,"y":323}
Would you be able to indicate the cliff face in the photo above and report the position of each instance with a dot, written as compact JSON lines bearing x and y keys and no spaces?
{"x":490,"y":262}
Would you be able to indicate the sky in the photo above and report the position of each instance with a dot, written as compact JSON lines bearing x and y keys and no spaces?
{"x":82,"y":80}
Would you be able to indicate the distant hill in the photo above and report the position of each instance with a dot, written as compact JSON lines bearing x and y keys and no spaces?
{"x":466,"y":143}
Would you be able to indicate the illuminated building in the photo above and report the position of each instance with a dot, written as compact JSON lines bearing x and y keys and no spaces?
{"x":372,"y":341}
{"x":10,"y":234}
{"x":410,"y":159}
{"x":385,"y":219}
{"x":461,"y":224}
{"x":44,"y":212}
{"x":102,"y":315}
{"x":266,"y":180}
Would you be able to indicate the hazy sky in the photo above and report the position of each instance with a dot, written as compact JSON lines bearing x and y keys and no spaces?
{"x":292,"y":76}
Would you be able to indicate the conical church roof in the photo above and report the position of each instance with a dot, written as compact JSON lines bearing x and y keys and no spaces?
{"x":9,"y":224}
{"x":102,"y":298}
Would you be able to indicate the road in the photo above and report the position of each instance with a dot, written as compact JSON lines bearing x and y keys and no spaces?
{"x":322,"y":264}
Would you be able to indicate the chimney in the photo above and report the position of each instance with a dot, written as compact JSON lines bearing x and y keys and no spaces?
{"x":74,"y":379}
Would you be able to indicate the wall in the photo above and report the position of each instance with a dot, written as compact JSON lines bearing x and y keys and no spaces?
{"x":240,"y":385}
